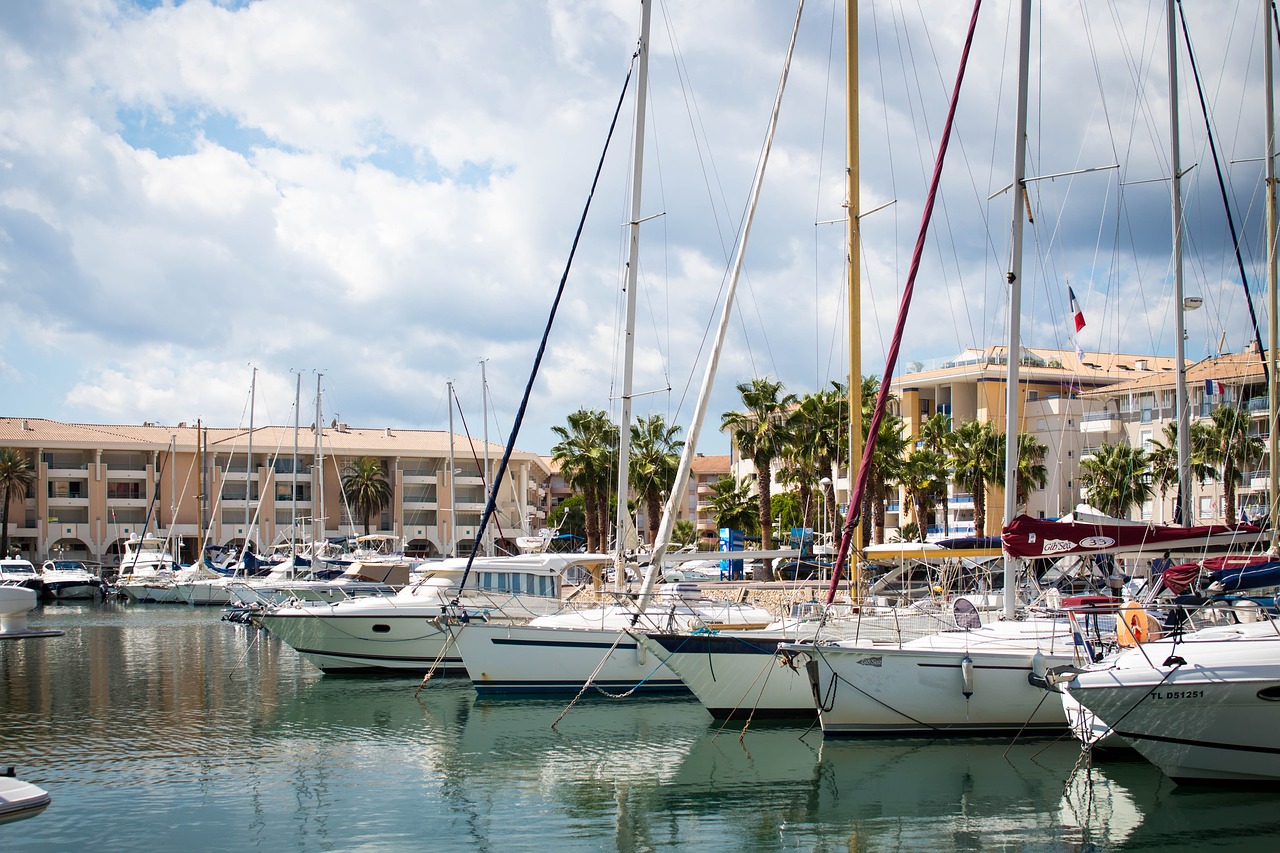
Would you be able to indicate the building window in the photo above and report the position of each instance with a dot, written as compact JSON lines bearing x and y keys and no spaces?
{"x":1146,"y":435}
{"x":1146,"y":510}
{"x":1206,"y":507}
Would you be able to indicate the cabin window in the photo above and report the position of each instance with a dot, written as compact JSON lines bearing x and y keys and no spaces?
{"x":381,"y":629}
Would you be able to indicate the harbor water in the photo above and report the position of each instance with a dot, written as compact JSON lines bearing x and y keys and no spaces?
{"x":161,"y":728}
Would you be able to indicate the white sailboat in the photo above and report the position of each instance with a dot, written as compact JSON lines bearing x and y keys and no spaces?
{"x":971,"y":681}
{"x":1204,"y":706}
{"x":565,"y":652}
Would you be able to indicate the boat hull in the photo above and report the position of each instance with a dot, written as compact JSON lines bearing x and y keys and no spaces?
{"x":528,"y":659}
{"x":961,"y":683}
{"x":411,"y":643}
{"x":72,"y":590}
{"x":736,"y":676}
{"x":1214,"y":718}
{"x":20,"y":800}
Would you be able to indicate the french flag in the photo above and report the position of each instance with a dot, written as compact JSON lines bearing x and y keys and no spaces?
{"x":1075,"y":309}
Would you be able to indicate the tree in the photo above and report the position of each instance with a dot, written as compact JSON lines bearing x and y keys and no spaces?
{"x":923,"y":475}
{"x":1116,"y":477}
{"x":787,"y":510}
{"x":654,"y":460}
{"x":1165,"y":476}
{"x":975,"y":462}
{"x":684,"y":533}
{"x":587,"y":454}
{"x":570,"y":517}
{"x":735,"y":506}
{"x":935,"y":434}
{"x":16,"y":476}
{"x":886,"y":460}
{"x":818,"y":439}
{"x":1235,"y":450}
{"x":1032,"y":473}
{"x":760,"y":433}
{"x":365,"y":486}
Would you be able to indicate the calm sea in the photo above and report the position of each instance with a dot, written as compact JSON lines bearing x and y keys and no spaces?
{"x":163,"y":728}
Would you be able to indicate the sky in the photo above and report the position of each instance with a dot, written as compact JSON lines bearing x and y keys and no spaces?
{"x":384,"y":195}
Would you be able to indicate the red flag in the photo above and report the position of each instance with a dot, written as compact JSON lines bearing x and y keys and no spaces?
{"x":1075,"y":309}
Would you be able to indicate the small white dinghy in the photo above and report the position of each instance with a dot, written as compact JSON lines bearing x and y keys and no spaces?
{"x":20,"y":799}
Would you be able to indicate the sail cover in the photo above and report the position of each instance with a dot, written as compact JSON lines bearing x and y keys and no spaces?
{"x":1032,"y":537}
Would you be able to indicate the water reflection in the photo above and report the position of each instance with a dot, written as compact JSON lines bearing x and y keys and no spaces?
{"x":174,"y":730}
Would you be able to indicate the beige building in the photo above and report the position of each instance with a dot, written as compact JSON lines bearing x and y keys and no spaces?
{"x":1137,"y":412}
{"x":96,"y":485}
{"x":1058,"y":394}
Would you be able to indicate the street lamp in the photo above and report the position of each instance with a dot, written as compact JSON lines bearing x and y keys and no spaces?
{"x":824,"y":484}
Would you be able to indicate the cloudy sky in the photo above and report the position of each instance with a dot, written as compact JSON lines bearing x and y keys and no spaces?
{"x":386,"y":193}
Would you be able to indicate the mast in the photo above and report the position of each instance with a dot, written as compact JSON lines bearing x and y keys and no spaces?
{"x":248,"y":472}
{"x":453,"y":492}
{"x":854,"y":261}
{"x":488,"y":484}
{"x":293,"y":501}
{"x":1179,"y":356}
{"x":623,"y":517}
{"x":678,"y":488}
{"x":1273,"y":332}
{"x":317,"y":478}
{"x":1014,"y":278}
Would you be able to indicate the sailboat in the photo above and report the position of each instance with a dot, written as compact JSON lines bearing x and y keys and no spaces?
{"x":567,"y":651}
{"x":971,"y":681}
{"x":1203,"y":706}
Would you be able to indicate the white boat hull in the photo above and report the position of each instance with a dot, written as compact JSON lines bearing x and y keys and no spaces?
{"x":1214,"y":718}
{"x":415,"y":641}
{"x":529,"y":659}
{"x":20,"y":800}
{"x":919,"y":688}
{"x":735,"y":675}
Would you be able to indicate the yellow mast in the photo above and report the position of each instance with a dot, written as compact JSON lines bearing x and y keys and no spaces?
{"x":854,"y":266}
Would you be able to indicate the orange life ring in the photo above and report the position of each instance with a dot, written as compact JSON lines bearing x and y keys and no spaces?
{"x":1135,"y":625}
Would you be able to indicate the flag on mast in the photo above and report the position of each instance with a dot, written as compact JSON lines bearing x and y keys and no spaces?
{"x":1076,"y":313}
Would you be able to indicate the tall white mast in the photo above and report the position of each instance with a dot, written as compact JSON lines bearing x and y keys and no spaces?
{"x":623,"y":517}
{"x":453,"y":492}
{"x":1179,"y":356}
{"x":1014,"y":277}
{"x":248,"y":473}
{"x":293,"y":499}
{"x":853,"y":233}
{"x":317,"y":476}
{"x":1273,"y":331}
{"x":678,"y":488}
{"x":488,"y":486}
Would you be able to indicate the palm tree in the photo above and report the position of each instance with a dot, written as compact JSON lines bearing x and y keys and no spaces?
{"x":923,"y":475}
{"x":885,"y":464}
{"x":16,"y":476}
{"x":734,"y":505}
{"x":935,"y":434}
{"x":1233,"y":448}
{"x":976,"y":461}
{"x":1165,"y":476}
{"x":819,"y":445}
{"x":684,"y":533}
{"x":760,"y":433}
{"x":1032,"y":473}
{"x":1117,"y":477}
{"x":365,"y":486}
{"x":655,"y":458}
{"x":586,"y":454}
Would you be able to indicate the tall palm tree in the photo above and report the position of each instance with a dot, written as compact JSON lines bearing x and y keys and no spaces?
{"x":1117,"y":477}
{"x":976,"y":461}
{"x":828,"y":413}
{"x":587,"y":454}
{"x":1032,"y":473}
{"x":654,"y":460}
{"x":364,"y":483}
{"x":16,"y":476}
{"x":884,"y":468}
{"x":935,"y":435}
{"x":1235,"y":450}
{"x":760,"y":433}
{"x":734,"y":505}
{"x":923,"y":476}
{"x":1165,"y":476}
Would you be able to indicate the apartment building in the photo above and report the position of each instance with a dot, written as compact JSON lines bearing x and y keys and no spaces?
{"x":96,"y":485}
{"x":1059,"y":392}
{"x":1137,"y":412}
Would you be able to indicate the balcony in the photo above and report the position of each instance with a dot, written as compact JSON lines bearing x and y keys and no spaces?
{"x":1100,"y":422}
